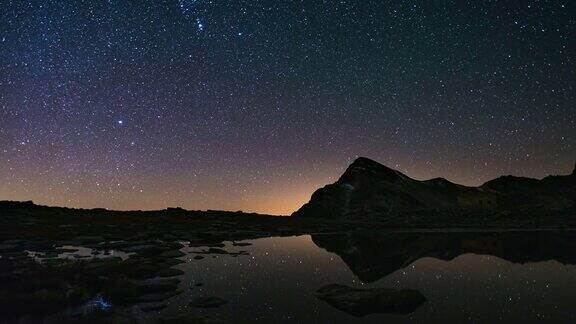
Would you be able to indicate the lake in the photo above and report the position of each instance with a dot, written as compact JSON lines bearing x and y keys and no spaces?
{"x":465,"y":277}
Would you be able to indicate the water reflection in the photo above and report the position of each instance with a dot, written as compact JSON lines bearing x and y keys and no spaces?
{"x":373,"y":255}
{"x":465,"y":277}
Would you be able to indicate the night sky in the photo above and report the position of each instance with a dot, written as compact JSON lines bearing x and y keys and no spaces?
{"x":252,"y":105}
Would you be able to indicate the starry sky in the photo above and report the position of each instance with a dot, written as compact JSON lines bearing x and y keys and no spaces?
{"x":252,"y":105}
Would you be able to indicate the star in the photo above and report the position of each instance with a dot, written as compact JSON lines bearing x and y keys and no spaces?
{"x":199,"y":24}
{"x":247,"y":96}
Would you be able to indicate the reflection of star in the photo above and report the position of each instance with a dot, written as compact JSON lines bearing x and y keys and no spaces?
{"x":120,"y":122}
{"x":199,"y":24}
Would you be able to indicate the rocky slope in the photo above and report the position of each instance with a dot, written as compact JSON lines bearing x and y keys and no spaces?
{"x":550,"y":193}
{"x":368,"y":189}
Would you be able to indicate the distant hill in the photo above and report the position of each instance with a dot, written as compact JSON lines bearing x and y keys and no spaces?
{"x":370,"y":189}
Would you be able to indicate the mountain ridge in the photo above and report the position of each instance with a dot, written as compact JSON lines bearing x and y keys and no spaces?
{"x":370,"y":189}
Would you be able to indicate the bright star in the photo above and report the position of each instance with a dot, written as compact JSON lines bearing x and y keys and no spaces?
{"x":199,"y":24}
{"x":120,"y":122}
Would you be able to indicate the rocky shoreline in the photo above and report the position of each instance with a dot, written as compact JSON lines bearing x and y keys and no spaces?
{"x":59,"y":261}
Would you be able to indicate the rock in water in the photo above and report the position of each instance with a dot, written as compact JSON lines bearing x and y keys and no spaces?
{"x":207,"y":302}
{"x":362,"y":302}
{"x":153,"y":306}
{"x":241,"y":244}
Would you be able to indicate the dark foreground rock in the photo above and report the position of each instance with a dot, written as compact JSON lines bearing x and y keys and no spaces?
{"x":362,"y":302}
{"x":153,"y":306}
{"x":191,"y":319}
{"x":207,"y":302}
{"x":221,"y":251}
{"x":241,"y":244}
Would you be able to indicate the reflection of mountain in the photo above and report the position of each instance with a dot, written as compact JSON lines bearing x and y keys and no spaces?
{"x":373,"y":255}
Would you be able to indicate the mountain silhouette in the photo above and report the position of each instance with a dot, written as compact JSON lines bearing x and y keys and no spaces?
{"x":370,"y":189}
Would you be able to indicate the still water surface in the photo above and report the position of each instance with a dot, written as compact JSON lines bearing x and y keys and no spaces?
{"x":472,"y":278}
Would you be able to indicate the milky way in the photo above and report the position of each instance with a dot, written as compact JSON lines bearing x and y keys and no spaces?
{"x":253,"y":104}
